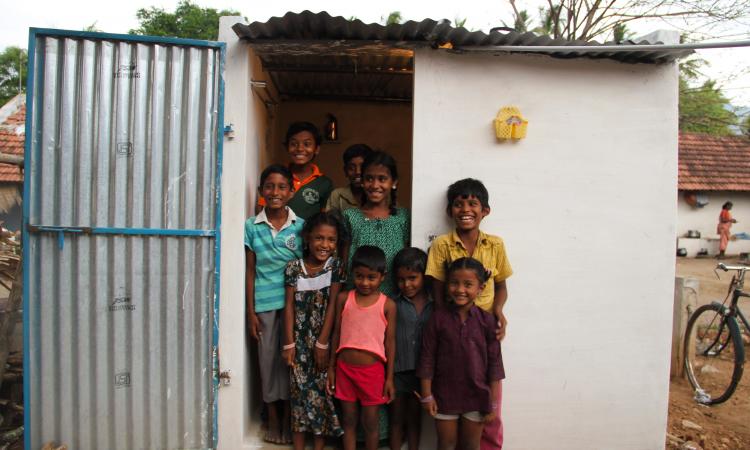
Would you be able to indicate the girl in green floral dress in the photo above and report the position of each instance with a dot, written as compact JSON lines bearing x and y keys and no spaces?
{"x":310,"y":284}
{"x":379,"y":221}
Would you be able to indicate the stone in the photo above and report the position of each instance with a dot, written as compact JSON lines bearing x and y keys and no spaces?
{"x":691,"y":425}
{"x":674,"y":438}
{"x":691,"y":445}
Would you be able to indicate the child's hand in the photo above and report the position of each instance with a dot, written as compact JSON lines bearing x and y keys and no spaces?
{"x":389,"y":391}
{"x":253,"y":324}
{"x":321,"y":357}
{"x":430,"y":407}
{"x":288,"y":356}
{"x":502,"y":324}
{"x":331,"y":382}
{"x":489,"y":417}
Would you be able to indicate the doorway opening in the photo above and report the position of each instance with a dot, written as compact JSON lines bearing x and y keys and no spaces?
{"x":367,"y":87}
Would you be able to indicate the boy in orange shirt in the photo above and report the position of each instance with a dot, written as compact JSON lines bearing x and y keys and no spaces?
{"x":468,"y":204}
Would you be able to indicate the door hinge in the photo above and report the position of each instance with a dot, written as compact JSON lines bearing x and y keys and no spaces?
{"x":225,"y":377}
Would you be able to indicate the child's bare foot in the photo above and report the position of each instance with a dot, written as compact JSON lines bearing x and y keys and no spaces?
{"x":273,"y":432}
{"x":286,"y":424}
{"x":286,"y":437}
{"x":273,"y":437}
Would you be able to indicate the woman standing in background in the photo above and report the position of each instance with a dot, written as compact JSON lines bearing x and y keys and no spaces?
{"x":725,"y":223}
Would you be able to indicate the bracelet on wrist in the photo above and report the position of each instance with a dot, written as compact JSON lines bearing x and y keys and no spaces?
{"x":288,"y":346}
{"x":321,"y":346}
{"x":427,"y":399}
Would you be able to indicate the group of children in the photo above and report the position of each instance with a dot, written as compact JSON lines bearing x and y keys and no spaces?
{"x":344,"y":309}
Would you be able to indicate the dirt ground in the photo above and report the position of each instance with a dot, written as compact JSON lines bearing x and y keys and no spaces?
{"x":694,"y":426}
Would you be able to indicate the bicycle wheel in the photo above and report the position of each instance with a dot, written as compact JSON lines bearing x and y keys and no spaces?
{"x":714,"y":354}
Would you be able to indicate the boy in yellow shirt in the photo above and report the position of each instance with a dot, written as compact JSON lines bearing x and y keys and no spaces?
{"x":468,"y":204}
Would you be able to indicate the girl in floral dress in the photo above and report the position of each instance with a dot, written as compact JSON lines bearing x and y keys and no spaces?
{"x":310,"y":283}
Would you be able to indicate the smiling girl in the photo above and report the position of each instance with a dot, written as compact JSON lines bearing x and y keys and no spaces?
{"x":312,"y":283}
{"x":460,"y":364}
{"x":379,"y":221}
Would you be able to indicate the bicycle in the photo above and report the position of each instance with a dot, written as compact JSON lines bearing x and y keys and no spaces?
{"x":714,"y":354}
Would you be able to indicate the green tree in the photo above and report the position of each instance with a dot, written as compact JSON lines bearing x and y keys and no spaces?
{"x":91,"y":27}
{"x":621,"y":33}
{"x":745,"y":127}
{"x":459,"y":22}
{"x":188,"y":21}
{"x":12,"y":73}
{"x":521,"y":22}
{"x":702,"y":106}
{"x":393,"y":17}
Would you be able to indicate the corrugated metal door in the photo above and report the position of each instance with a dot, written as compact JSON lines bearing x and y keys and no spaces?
{"x":121,"y":207}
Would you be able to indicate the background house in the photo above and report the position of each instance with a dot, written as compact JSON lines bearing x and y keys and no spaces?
{"x":712,"y":171}
{"x":12,"y":132}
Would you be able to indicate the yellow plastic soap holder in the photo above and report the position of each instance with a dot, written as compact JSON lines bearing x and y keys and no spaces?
{"x":510,"y":124}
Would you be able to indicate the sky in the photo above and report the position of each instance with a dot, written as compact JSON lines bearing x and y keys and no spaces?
{"x":730,"y":67}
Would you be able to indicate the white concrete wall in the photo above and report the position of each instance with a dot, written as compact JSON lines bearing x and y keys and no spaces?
{"x":705,"y":220}
{"x":239,"y":172}
{"x":586,"y":205}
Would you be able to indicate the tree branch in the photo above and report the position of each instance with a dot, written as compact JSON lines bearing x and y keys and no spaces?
{"x":516,"y":15}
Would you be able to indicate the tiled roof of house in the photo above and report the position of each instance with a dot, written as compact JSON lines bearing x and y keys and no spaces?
{"x":714,"y":163}
{"x":12,"y":135}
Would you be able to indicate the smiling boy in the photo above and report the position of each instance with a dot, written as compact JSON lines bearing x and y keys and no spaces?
{"x":350,"y":196}
{"x":311,"y":186}
{"x":272,"y":238}
{"x":468,"y":205}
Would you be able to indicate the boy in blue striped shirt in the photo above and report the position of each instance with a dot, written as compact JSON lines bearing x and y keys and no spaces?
{"x":272,"y":238}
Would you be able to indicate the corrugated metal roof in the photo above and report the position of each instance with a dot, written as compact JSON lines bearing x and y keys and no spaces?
{"x":309,"y":26}
{"x":367,"y":74}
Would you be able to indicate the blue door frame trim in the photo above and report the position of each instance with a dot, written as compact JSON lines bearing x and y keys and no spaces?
{"x":34,"y":33}
{"x":125,"y":37}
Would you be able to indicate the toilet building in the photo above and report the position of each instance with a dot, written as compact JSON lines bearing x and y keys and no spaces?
{"x":144,"y":165}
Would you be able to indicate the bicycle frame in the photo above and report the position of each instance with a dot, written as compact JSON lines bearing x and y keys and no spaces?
{"x":732,"y":311}
{"x":737,"y":311}
{"x":737,"y":293}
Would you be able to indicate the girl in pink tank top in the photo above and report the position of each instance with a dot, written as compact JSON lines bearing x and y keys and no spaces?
{"x":364,"y":336}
